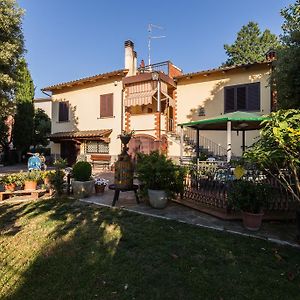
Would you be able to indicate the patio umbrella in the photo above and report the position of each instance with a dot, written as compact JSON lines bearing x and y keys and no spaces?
{"x":238,"y":120}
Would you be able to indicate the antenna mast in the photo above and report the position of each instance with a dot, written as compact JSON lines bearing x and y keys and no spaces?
{"x":150,"y":37}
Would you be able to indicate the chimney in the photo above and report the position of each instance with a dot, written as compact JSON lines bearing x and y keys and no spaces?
{"x":134,"y":62}
{"x":129,"y":57}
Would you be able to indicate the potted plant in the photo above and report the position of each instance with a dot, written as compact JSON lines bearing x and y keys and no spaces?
{"x":160,"y":178}
{"x":125,"y":136}
{"x":100,"y":184}
{"x":46,"y":176}
{"x":9,"y":182}
{"x":82,"y":185}
{"x":31,"y":179}
{"x":250,"y":198}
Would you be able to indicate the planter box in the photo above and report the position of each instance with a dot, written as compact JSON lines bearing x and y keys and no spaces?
{"x":83,"y":189}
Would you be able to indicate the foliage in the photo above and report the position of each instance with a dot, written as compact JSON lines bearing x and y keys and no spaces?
{"x":82,"y":171}
{"x":248,"y":196}
{"x":277,"y":150}
{"x":8,"y":179}
{"x":250,"y":46}
{"x":3,"y":132}
{"x":285,"y":77}
{"x":57,"y":177}
{"x":157,"y":172}
{"x":34,"y":175}
{"x":127,"y":133}
{"x":41,"y":129}
{"x":47,"y":174}
{"x":11,"y":49}
{"x":23,"y":123}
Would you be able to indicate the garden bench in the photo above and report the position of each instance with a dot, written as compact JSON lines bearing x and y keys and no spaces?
{"x":102,"y":160}
{"x":34,"y":194}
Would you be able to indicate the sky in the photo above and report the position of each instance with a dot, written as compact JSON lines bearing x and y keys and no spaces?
{"x":70,"y":39}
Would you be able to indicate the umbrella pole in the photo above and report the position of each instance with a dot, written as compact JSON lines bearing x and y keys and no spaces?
{"x":243,"y":141}
{"x":228,"y":141}
{"x":198,"y":144}
{"x":181,"y":143}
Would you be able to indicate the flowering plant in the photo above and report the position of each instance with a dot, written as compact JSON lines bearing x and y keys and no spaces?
{"x":101,"y":181}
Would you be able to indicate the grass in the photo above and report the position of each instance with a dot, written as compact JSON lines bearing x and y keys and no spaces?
{"x":61,"y":249}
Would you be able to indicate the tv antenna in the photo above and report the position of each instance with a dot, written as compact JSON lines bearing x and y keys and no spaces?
{"x":151,"y":37}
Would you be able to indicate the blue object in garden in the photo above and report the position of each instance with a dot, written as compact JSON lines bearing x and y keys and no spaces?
{"x":34,"y":163}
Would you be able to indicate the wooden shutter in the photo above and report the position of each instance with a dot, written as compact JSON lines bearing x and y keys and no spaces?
{"x":63,"y":113}
{"x":253,"y":96}
{"x":229,"y":99}
{"x":241,"y":103}
{"x":106,"y":105}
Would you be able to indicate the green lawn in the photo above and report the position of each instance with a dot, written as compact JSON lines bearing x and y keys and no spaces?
{"x":61,"y":249}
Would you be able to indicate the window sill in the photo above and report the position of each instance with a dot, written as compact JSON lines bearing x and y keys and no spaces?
{"x":63,"y":121}
{"x":100,"y":118}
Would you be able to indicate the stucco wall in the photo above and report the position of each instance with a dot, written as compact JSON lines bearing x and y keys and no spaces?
{"x":208,"y":91}
{"x":84,"y":113}
{"x":44,"y":105}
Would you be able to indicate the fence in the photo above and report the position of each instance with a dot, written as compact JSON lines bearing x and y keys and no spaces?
{"x":207,"y":185}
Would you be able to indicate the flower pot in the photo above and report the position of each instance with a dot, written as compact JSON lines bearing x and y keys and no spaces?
{"x":10,"y":187}
{"x":99,"y":188}
{"x":30,"y":185}
{"x":83,"y":189}
{"x":252,"y":221}
{"x":157,"y":198}
{"x":125,"y":139}
{"x":47,"y":181}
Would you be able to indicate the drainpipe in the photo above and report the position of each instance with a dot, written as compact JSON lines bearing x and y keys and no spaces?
{"x":181,"y":143}
{"x":228,"y":141}
{"x":159,"y":109}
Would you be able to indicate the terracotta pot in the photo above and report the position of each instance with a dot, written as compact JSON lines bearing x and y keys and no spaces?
{"x":99,"y":188}
{"x":30,"y":185}
{"x":252,"y":221}
{"x":10,"y":187}
{"x":47,"y":181}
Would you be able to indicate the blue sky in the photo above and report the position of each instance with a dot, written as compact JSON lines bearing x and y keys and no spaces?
{"x":71,"y":39}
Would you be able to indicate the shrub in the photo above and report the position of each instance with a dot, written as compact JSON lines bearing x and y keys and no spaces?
{"x":157,"y":172}
{"x":82,"y":171}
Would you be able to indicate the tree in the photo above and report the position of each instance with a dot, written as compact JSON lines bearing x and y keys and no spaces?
{"x":23,"y":126}
{"x":277,"y":150}
{"x":250,"y":45}
{"x":42,"y":128}
{"x":285,"y":78}
{"x":11,"y":49}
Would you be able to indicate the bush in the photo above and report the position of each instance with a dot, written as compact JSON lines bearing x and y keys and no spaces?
{"x":248,"y":196}
{"x":157,"y":172}
{"x":82,"y":171}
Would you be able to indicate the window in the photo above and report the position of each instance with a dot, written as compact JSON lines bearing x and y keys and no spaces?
{"x":244,"y":97}
{"x":97,"y":147}
{"x":63,"y":111}
{"x":106,"y":106}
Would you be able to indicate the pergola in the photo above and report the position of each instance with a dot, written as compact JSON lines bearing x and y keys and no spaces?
{"x":239,"y":120}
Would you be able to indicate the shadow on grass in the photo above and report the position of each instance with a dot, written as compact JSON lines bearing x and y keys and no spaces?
{"x":100,"y":253}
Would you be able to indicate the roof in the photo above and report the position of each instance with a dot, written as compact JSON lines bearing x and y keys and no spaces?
{"x":222,"y":69}
{"x":42,"y":99}
{"x":94,"y":78}
{"x":80,"y":134}
{"x":240,"y":121}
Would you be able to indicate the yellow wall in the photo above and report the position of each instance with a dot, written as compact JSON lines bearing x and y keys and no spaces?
{"x":208,"y":91}
{"x":84,"y":112}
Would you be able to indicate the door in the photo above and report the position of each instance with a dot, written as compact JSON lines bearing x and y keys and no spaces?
{"x":69,"y":150}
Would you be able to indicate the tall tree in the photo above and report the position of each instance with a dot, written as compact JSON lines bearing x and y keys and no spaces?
{"x":42,"y":128}
{"x":11,"y":49}
{"x":286,"y":75}
{"x":24,"y":93}
{"x":250,"y":46}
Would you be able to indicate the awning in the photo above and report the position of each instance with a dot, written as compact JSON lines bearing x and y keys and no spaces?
{"x":240,"y":121}
{"x":80,"y":135}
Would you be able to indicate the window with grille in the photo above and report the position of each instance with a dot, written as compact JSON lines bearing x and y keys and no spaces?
{"x":97,"y":147}
{"x":245,"y":97}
